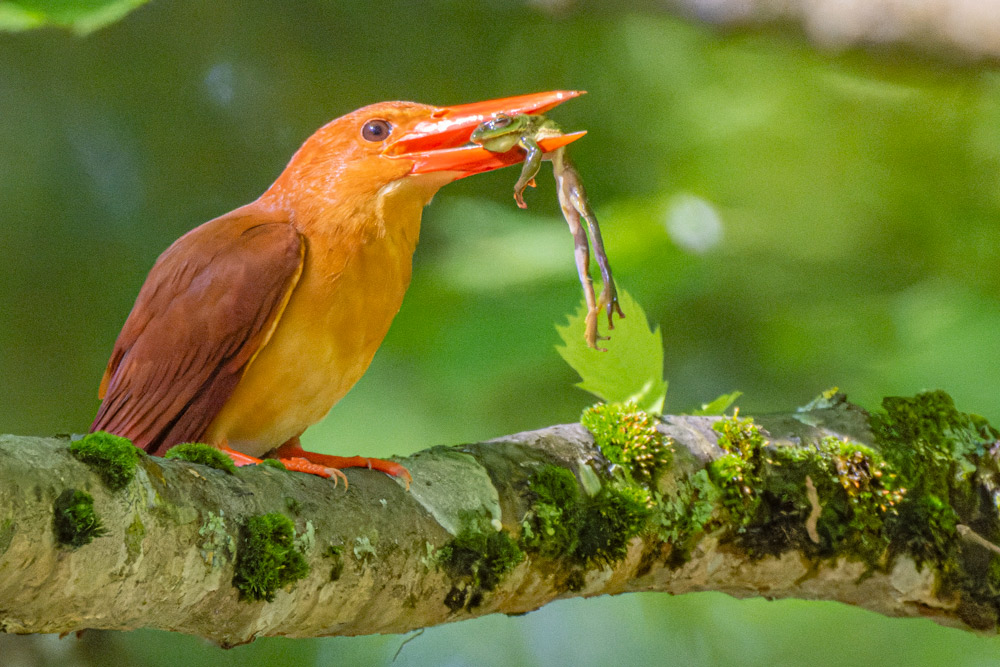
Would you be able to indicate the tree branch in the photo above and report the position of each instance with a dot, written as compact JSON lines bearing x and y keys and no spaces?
{"x":385,"y":560}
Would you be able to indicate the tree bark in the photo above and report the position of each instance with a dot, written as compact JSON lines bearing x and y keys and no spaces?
{"x":174,"y":534}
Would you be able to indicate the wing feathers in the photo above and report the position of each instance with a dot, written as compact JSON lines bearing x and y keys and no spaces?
{"x":208,"y":306}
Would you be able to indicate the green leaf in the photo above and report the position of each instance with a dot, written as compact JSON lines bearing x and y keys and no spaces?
{"x":81,"y":16}
{"x":719,"y":405}
{"x":631,"y":369}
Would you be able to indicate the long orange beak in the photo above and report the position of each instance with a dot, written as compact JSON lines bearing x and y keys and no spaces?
{"x":441,"y":143}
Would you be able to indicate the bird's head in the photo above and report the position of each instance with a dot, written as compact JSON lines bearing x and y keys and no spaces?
{"x":393,"y":144}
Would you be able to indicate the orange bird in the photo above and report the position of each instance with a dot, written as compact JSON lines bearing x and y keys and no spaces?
{"x":250,"y":327}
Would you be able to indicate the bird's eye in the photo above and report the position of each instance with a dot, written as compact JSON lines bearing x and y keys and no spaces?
{"x":376,"y":130}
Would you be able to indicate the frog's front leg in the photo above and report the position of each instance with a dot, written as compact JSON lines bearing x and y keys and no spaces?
{"x":532,"y":163}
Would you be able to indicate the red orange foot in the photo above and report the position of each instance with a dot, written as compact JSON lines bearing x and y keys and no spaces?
{"x":291,"y":451}
{"x":239,"y":458}
{"x":295,"y":463}
{"x":300,"y":464}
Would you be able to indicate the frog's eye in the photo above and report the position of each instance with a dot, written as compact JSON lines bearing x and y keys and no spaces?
{"x":376,"y":130}
{"x":500,"y":122}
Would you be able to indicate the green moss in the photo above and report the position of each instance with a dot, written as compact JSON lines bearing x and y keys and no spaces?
{"x":922,"y":435}
{"x":683,"y":510}
{"x":858,"y":491}
{"x":554,"y":486}
{"x":550,"y":528}
{"x":739,"y":471}
{"x":739,"y":436}
{"x":564,"y":523}
{"x":113,"y":458}
{"x":76,"y":523}
{"x":481,"y":555}
{"x":266,"y":558}
{"x":763,"y":489}
{"x":730,"y":475}
{"x":196,"y":452}
{"x":937,"y":450}
{"x":273,"y":463}
{"x":627,"y":436}
{"x":855,"y":491}
{"x":609,"y":520}
{"x":927,"y":529}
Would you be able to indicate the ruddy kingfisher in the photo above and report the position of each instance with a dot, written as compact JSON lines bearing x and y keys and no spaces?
{"x":250,"y":327}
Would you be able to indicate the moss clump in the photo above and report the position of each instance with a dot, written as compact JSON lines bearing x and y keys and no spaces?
{"x":684,"y":510}
{"x":856,"y":491}
{"x":855,"y":520}
{"x":609,"y":520}
{"x":551,"y":526}
{"x":740,"y":470}
{"x":113,"y":458}
{"x":937,"y":450}
{"x":206,"y":455}
{"x":922,"y":435}
{"x":763,"y":487}
{"x":564,"y":523}
{"x":482,"y":555}
{"x":627,"y":436}
{"x":273,"y":463}
{"x":266,"y":558}
{"x":76,"y":523}
{"x":739,"y":436}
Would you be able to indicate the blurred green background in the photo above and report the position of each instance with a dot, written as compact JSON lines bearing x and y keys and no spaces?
{"x":793,"y":219}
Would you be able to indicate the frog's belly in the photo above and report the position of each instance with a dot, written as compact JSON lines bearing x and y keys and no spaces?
{"x":322,"y":345}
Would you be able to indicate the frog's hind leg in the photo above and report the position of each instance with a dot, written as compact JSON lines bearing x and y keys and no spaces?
{"x":578,"y":198}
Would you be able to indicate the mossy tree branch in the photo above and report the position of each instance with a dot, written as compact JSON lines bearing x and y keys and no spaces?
{"x":780,"y":509}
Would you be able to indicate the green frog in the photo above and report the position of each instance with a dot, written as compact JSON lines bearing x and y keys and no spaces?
{"x":501,"y":134}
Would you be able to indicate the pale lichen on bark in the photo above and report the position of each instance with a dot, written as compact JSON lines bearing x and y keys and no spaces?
{"x":383,"y":559}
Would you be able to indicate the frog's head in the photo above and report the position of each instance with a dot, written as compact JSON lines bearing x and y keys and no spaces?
{"x":502,"y":132}
{"x":499,"y":126}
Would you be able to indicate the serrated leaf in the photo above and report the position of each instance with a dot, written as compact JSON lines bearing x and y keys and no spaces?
{"x":719,"y":405}
{"x":632,"y":367}
{"x":81,"y":16}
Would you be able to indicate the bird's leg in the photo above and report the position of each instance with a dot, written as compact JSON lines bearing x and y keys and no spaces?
{"x":296,"y":464}
{"x":292,"y":451}
{"x":239,"y":458}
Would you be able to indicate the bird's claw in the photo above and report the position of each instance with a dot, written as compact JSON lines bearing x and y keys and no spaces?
{"x":299,"y":464}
